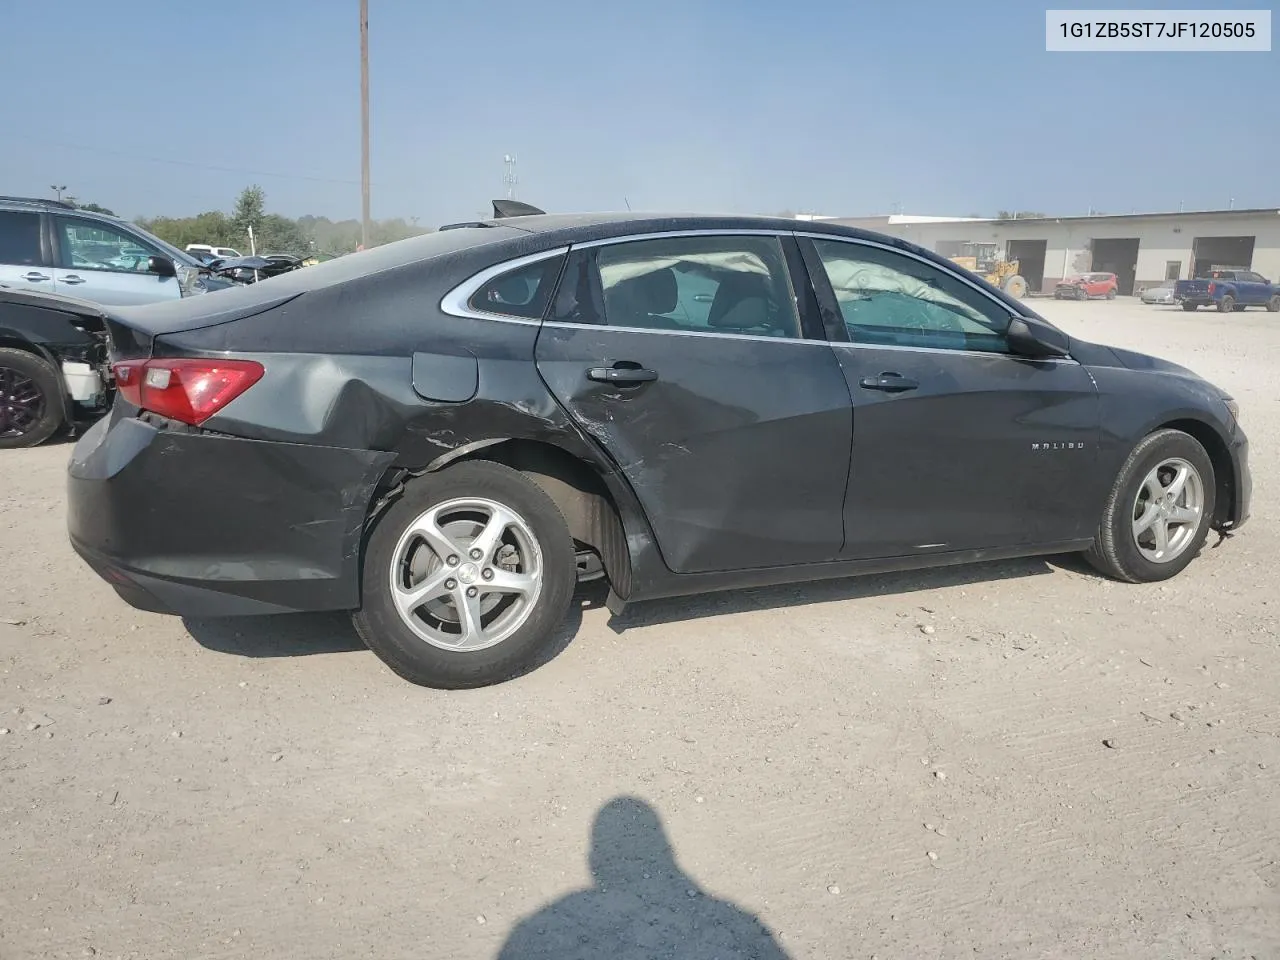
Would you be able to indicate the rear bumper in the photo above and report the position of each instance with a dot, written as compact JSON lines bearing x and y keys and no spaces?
{"x":203,"y":525}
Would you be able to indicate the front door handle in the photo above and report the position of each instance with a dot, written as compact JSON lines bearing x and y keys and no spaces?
{"x":34,"y":277}
{"x":890,"y":382}
{"x":72,"y":279}
{"x":622,"y":372}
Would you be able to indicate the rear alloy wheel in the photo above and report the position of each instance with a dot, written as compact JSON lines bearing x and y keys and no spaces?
{"x":1159,"y":511}
{"x":466,"y":577}
{"x":1082,"y":293}
{"x":30,"y":399}
{"x":1227,"y":304}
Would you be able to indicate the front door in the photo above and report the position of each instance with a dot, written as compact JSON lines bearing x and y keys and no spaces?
{"x":100,"y":263}
{"x":958,"y":444}
{"x":684,"y":357}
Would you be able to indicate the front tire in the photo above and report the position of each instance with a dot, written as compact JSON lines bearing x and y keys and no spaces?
{"x":1273,"y":305}
{"x":1159,"y":511}
{"x":30,"y":399}
{"x":1111,"y":294}
{"x":467,"y":577}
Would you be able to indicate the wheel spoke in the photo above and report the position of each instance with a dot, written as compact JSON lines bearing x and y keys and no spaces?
{"x":1144,"y":522}
{"x":1161,"y":531}
{"x":1184,"y":515}
{"x":506,"y":581}
{"x":1175,"y":488}
{"x":471,"y":628}
{"x":440,"y":542}
{"x":409,"y":599}
{"x":488,"y":539}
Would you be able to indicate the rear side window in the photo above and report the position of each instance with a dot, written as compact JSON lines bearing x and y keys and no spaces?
{"x":20,"y":238}
{"x":522,"y":292}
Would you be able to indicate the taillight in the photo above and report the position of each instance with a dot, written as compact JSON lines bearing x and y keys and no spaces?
{"x":188,"y":390}
{"x":1212,"y":287}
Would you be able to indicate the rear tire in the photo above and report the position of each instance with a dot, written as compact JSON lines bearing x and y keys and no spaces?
{"x":490,"y":616}
{"x":30,"y":399}
{"x":1273,"y":305}
{"x":1111,"y":294}
{"x":1119,"y":549}
{"x":1227,"y":304}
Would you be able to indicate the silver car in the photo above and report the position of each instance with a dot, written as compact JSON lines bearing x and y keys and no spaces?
{"x":51,"y":247}
{"x":1160,"y":294}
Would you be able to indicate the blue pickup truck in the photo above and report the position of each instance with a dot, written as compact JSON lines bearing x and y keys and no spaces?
{"x":1228,"y":290}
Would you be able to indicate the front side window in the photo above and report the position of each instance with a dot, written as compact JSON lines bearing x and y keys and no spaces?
{"x":20,"y":238}
{"x":91,"y":245}
{"x":698,"y":284}
{"x":522,"y":292}
{"x":890,"y":299}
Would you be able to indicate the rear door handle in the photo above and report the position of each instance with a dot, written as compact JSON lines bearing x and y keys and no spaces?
{"x":34,"y":277}
{"x":622,"y":372}
{"x":890,"y":383}
{"x":72,"y":279}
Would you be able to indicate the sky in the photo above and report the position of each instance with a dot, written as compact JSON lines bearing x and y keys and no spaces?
{"x":839,"y":107}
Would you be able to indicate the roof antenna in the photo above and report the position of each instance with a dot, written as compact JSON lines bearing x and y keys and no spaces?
{"x":624,"y":200}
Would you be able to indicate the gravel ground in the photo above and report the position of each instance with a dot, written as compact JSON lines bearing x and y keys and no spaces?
{"x":1061,"y":766}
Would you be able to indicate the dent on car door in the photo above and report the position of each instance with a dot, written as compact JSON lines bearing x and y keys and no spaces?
{"x":684,"y":357}
{"x":99,"y":262}
{"x":23,"y":264}
{"x":958,"y":444}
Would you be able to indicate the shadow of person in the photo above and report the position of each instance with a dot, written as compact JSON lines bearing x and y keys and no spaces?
{"x":642,"y":906}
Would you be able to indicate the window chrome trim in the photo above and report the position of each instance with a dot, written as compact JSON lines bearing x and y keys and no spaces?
{"x":457,"y":302}
{"x":605,"y":328}
{"x":947,"y":351}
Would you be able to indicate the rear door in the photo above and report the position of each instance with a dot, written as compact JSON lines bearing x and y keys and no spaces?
{"x":686,"y":358}
{"x":958,"y":443}
{"x":24,"y":254}
{"x":102,"y":262}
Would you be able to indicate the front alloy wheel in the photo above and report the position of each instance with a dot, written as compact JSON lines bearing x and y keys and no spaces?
{"x":1167,"y":510}
{"x":1159,"y":511}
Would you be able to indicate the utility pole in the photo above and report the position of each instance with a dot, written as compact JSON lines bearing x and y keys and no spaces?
{"x":364,"y":123}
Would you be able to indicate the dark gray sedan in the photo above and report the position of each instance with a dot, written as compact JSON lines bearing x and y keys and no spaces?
{"x":443,"y":435}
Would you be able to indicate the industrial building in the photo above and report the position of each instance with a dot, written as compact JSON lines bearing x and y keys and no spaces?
{"x":1142,"y":250}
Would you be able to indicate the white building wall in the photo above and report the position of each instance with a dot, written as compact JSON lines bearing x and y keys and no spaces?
{"x":1161,"y":239}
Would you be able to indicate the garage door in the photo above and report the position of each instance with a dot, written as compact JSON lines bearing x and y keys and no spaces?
{"x":1220,"y":253}
{"x":1118,"y":256}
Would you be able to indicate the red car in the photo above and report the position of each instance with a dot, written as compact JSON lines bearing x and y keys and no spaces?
{"x":1087,"y":285}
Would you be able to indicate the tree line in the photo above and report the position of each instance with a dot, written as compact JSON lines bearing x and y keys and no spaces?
{"x":272,"y":232}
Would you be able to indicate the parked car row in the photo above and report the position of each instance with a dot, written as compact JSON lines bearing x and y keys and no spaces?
{"x":53,"y":259}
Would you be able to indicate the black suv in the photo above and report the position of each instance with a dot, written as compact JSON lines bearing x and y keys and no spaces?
{"x":444,"y":434}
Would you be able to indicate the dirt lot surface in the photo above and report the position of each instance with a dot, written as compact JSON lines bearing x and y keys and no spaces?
{"x":898,"y":766}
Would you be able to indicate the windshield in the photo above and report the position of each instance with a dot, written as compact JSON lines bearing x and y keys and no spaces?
{"x":168,"y":249}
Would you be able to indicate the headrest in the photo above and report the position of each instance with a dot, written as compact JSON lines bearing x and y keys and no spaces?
{"x":741,"y":303}
{"x":654,"y":292}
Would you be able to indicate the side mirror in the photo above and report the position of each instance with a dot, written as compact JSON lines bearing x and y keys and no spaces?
{"x":1030,"y":339}
{"x":161,"y":267}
